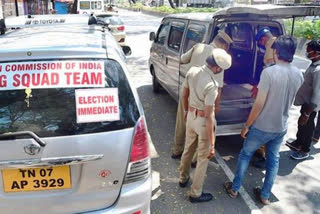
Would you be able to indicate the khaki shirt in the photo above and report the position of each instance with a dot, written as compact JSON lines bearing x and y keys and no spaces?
{"x":196,"y":57}
{"x":202,"y":86}
{"x":268,"y":56}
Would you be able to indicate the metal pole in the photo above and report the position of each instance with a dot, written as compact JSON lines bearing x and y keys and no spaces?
{"x":17,"y":9}
{"x":292,"y":27}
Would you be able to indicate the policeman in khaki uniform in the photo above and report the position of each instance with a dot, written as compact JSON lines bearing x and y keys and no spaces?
{"x":199,"y":95}
{"x":196,"y":56}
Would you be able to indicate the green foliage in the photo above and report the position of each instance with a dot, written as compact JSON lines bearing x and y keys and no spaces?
{"x":169,"y":10}
{"x":304,"y":28}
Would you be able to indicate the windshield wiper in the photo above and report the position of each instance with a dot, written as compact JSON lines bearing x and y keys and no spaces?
{"x":23,"y":133}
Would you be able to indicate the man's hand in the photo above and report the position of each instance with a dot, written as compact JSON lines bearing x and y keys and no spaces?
{"x":211,"y":152}
{"x":244,"y":132}
{"x":303,"y":119}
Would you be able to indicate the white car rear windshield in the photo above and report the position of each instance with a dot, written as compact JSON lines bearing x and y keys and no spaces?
{"x":65,"y":97}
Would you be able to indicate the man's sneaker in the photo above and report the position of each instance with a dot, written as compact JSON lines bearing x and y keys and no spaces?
{"x":174,"y":156}
{"x":184,"y":184}
{"x":204,"y":197}
{"x":300,"y":155}
{"x":293,"y":146}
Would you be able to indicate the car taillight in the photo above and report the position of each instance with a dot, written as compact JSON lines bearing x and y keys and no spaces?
{"x":139,"y":166}
{"x":121,"y":28}
{"x":140,"y":146}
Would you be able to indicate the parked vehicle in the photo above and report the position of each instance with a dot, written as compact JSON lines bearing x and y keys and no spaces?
{"x":73,"y":132}
{"x":90,"y":6}
{"x":114,"y":23}
{"x":178,"y":33}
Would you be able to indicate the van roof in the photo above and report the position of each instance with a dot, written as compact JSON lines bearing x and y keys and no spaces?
{"x":54,"y":42}
{"x":193,"y":16}
{"x":273,"y":11}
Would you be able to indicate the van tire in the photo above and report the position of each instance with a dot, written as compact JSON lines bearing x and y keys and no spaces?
{"x":155,"y":83}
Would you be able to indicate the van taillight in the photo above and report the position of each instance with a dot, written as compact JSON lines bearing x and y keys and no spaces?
{"x":121,"y":28}
{"x":140,"y":147}
{"x":139,"y":166}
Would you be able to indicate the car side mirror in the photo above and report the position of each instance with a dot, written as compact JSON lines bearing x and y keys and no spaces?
{"x":126,"y":50}
{"x":152,"y":36}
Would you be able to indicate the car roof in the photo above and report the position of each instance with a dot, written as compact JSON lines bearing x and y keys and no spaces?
{"x":56,"y":42}
{"x":106,"y":14}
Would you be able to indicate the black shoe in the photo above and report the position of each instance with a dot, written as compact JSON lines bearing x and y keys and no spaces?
{"x":293,"y":146}
{"x":184,"y":184}
{"x":194,"y":164}
{"x":204,"y":197}
{"x":261,"y":164}
{"x":173,"y":156}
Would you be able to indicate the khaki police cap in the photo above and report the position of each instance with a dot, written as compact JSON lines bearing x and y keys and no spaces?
{"x":225,"y":37}
{"x":222,"y":58}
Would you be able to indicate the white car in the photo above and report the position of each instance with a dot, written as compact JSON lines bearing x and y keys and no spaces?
{"x":72,"y":130}
{"x":114,"y":23}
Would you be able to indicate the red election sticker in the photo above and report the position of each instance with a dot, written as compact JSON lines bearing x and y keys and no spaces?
{"x":51,"y":74}
{"x":97,"y":105}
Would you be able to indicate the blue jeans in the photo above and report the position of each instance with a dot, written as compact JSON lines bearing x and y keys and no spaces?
{"x":255,"y":139}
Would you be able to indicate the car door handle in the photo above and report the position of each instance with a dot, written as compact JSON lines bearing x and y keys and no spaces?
{"x":52,"y":161}
{"x":166,"y":60}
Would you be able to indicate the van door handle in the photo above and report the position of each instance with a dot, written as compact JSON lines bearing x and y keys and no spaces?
{"x":166,"y":60}
{"x":52,"y":161}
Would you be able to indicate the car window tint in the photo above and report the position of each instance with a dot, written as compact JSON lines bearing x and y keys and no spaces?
{"x":162,"y":33}
{"x":241,"y":34}
{"x":84,"y":5}
{"x":195,"y":34}
{"x":52,"y":112}
{"x":175,"y":35}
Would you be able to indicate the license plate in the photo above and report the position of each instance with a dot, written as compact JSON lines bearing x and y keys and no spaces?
{"x":36,"y":179}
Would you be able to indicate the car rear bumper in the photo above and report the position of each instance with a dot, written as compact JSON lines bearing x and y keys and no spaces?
{"x":134,"y":197}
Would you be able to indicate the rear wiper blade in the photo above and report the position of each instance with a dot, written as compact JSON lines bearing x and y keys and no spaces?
{"x":23,"y":133}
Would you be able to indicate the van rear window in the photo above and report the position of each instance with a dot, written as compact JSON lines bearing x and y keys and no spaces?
{"x":52,"y":111}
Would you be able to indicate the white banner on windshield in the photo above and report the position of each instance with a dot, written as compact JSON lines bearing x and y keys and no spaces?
{"x":51,"y":74}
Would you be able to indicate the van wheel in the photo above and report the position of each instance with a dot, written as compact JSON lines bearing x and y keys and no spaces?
{"x":155,"y":83}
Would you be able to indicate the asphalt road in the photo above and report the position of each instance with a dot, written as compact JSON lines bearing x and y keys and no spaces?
{"x":296,"y":189}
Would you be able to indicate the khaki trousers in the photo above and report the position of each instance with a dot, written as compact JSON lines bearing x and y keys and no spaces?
{"x":196,"y":129}
{"x":180,"y":132}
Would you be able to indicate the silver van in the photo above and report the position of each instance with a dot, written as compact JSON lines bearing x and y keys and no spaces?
{"x":72,"y":129}
{"x":178,"y":33}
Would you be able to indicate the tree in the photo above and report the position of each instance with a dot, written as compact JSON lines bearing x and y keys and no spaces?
{"x":172,"y":4}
